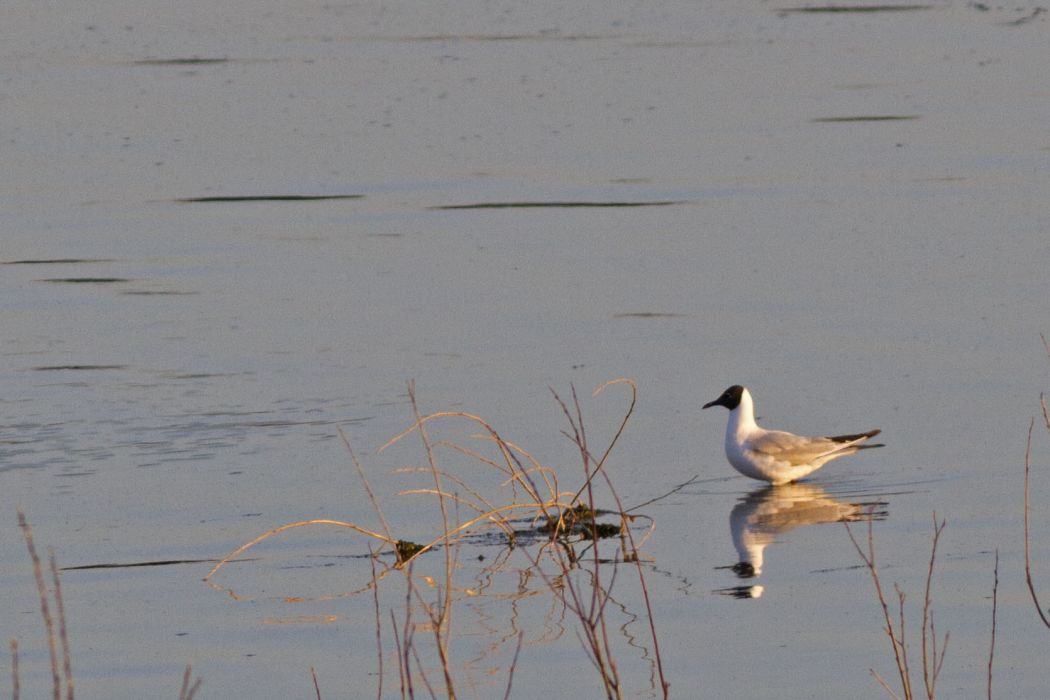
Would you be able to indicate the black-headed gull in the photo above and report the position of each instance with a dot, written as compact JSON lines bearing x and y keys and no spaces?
{"x":774,"y":455}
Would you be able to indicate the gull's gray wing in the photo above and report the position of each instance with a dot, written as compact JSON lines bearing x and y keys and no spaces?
{"x":794,"y":449}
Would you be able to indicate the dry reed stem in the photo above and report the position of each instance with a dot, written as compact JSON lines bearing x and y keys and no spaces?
{"x":443,"y":621}
{"x":1027,"y":538}
{"x":592,"y":617}
{"x":407,"y":634}
{"x":364,"y":481}
{"x":554,"y":509}
{"x":187,"y":691}
{"x":995,"y":606}
{"x":317,"y":688}
{"x":14,"y":669}
{"x":400,"y":658}
{"x":513,"y":465}
{"x":379,"y":624}
{"x":289,"y":526}
{"x":884,"y":684}
{"x":514,"y":479}
{"x":436,"y":628}
{"x":463,"y":527}
{"x":932,"y":660}
{"x":619,"y":432}
{"x":513,"y":665}
{"x":45,"y":610}
{"x":930,"y":671}
{"x":60,"y":608}
{"x":626,"y":530}
{"x":869,"y":561}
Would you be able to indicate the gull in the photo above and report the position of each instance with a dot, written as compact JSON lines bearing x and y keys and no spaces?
{"x":774,"y":455}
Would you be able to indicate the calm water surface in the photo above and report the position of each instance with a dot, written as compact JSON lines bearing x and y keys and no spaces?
{"x":845,"y":211}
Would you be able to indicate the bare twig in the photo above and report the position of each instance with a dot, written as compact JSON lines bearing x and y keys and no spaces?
{"x":14,"y":669}
{"x":400,"y":655}
{"x":317,"y":688}
{"x":869,"y":561}
{"x":67,"y":664}
{"x":364,"y":482}
{"x":932,"y":657}
{"x":187,"y":691}
{"x":883,"y":683}
{"x":379,"y":625}
{"x":407,"y":634}
{"x":931,"y":665}
{"x":513,"y":665}
{"x":45,"y":609}
{"x":1027,"y":510}
{"x":289,"y":526}
{"x":995,"y":605}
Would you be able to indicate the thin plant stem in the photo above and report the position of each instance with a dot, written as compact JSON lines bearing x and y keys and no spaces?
{"x":883,"y":683}
{"x":289,"y":526}
{"x":187,"y":691}
{"x":1027,"y":538}
{"x":869,"y":561}
{"x":423,"y":675}
{"x":513,"y":665}
{"x":931,"y":669}
{"x":616,"y":438}
{"x":444,"y":630}
{"x":906,"y":678}
{"x":407,"y":634}
{"x":14,"y":669}
{"x":400,"y":656}
{"x":364,"y":481}
{"x":379,"y":626}
{"x":67,"y":663}
{"x":317,"y":688}
{"x":45,"y":610}
{"x":995,"y":606}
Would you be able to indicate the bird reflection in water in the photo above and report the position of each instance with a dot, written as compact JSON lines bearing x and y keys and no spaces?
{"x":766,"y":514}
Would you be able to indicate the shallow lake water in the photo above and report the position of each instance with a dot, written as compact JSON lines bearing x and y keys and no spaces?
{"x":231,"y":233}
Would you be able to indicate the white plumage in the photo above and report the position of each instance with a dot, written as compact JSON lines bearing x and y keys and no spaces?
{"x":774,"y":455}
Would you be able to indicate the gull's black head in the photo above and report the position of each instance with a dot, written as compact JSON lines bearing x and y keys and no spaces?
{"x":730,"y":398}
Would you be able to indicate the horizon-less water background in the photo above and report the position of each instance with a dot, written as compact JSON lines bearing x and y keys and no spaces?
{"x":846,"y":211}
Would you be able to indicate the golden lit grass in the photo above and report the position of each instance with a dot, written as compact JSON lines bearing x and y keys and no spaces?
{"x":526,"y":490}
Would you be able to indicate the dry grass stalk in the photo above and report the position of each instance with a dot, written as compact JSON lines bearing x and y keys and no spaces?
{"x":67,"y":663}
{"x":45,"y":608}
{"x":379,"y":626}
{"x":581,"y":582}
{"x":317,"y":686}
{"x":932,"y":658}
{"x":1027,"y":506}
{"x":995,"y":608}
{"x":14,"y":670}
{"x":398,"y":656}
{"x":513,"y":665}
{"x":1027,"y":512}
{"x":187,"y":691}
{"x":189,"y":686}
{"x":443,"y":620}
